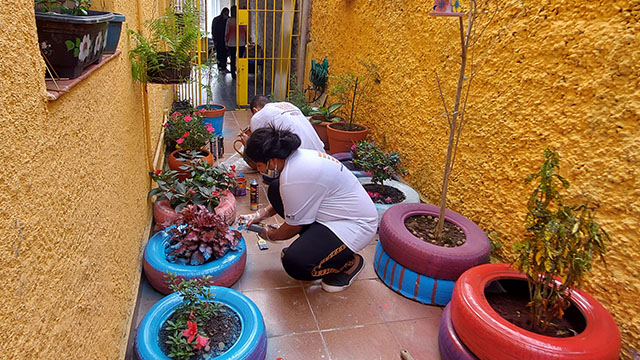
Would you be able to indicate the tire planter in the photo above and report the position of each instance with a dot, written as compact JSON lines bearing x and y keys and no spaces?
{"x":410,"y":284}
{"x":477,"y":324}
{"x":224,"y":271}
{"x":174,"y":163}
{"x":164,"y":214}
{"x":410,"y":196}
{"x":251,"y":344}
{"x":348,"y":156}
{"x":426,"y":258}
{"x":340,"y":140}
{"x":449,"y":344}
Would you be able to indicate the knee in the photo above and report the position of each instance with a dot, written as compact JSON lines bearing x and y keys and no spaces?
{"x":294,"y":267}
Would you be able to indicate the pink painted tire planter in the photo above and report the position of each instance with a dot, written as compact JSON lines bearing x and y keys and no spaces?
{"x":449,"y":344}
{"x":224,"y":271}
{"x":478,"y":324}
{"x":164,"y":214}
{"x":425,"y":258}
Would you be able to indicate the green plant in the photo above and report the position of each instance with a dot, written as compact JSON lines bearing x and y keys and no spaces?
{"x":381,"y":164}
{"x":351,"y":89}
{"x":203,"y":188}
{"x":171,"y":43}
{"x":200,"y":235}
{"x":79,"y":8}
{"x":188,"y":130}
{"x":319,"y":76}
{"x":328,"y":114}
{"x":197,"y":307}
{"x":559,"y":244}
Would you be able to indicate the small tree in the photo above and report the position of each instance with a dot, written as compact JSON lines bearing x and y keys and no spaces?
{"x":381,"y":164}
{"x":559,"y":243}
{"x":478,"y":10}
{"x":351,"y":88}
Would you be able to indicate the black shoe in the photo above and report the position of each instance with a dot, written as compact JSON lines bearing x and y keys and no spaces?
{"x":341,"y":281}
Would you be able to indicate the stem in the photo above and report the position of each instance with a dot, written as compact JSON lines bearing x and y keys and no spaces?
{"x":353,"y":104}
{"x":454,"y":120}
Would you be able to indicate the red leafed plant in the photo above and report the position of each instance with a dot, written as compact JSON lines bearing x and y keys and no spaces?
{"x":200,"y":236}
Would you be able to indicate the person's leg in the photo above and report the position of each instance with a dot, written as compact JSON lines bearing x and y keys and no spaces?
{"x":232,"y":60}
{"x":317,"y":253}
{"x":221,"y":54}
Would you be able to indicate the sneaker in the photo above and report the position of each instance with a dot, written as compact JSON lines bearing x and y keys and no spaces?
{"x":341,"y":281}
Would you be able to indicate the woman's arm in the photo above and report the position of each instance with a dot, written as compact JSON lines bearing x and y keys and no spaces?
{"x":284,"y":232}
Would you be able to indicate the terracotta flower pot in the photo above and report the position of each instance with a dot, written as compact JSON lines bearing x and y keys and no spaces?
{"x":321,"y":130}
{"x":174,"y":163}
{"x":341,"y":140}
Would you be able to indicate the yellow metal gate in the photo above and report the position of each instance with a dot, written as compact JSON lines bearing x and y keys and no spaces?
{"x":273,"y":33}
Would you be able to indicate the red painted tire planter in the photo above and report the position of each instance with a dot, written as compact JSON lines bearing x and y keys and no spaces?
{"x":164,"y":214}
{"x":174,"y":163}
{"x":449,"y":344}
{"x":425,"y":258}
{"x":477,"y":324}
{"x":251,"y":344}
{"x":224,"y":271}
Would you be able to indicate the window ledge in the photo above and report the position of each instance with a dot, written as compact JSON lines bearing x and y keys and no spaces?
{"x":55,"y":89}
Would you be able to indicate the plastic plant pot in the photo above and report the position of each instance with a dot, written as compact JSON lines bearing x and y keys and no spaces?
{"x":214,"y":115}
{"x":113,"y":33}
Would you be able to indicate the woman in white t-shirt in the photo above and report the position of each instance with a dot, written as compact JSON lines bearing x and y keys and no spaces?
{"x":320,"y":200}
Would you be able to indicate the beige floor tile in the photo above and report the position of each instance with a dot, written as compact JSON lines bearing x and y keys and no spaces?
{"x":393,"y":306}
{"x":307,"y":346}
{"x":285,"y":311}
{"x":371,"y":342}
{"x":419,"y":337}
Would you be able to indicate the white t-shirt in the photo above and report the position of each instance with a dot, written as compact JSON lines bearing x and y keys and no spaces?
{"x":284,"y":115}
{"x":316,"y":187}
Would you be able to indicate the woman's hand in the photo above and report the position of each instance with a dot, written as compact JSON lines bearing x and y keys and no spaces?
{"x":255,"y":217}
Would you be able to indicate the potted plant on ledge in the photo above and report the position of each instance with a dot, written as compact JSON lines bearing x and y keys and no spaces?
{"x":166,"y":56}
{"x":535,"y":309}
{"x":201,"y":322}
{"x":199,"y":243}
{"x":350,"y":89}
{"x":70,"y":38}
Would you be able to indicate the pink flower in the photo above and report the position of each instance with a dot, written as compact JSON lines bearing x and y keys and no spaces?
{"x":185,"y":135}
{"x":215,"y":193}
{"x":191,"y":331}
{"x":210,"y":129}
{"x":175,"y":114}
{"x":202,"y":341}
{"x":388,"y":200}
{"x":165,"y":124}
{"x":192,"y":191}
{"x":158,"y":171}
{"x":179,"y":141}
{"x":201,"y":111}
{"x":353,"y":147}
{"x":187,"y":118}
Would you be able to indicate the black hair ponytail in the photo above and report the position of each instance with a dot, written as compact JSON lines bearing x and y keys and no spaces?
{"x":269,"y":143}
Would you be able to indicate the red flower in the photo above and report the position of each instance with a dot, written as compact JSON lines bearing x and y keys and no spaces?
{"x":191,"y":331}
{"x":175,"y":114}
{"x":158,"y":171}
{"x":192,"y":191}
{"x":202,"y":341}
{"x":179,"y":141}
{"x":187,"y":118}
{"x":165,"y":124}
{"x":233,"y":168}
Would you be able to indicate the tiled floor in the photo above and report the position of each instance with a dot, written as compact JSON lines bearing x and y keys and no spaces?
{"x":367,"y":321}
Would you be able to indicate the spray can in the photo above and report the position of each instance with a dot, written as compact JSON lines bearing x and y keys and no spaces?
{"x":241,"y":190}
{"x":253,"y":194}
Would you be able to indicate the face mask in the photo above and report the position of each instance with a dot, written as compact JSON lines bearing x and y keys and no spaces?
{"x":272,"y":173}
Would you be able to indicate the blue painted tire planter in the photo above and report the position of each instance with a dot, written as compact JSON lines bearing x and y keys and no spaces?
{"x":410,"y":284}
{"x":429,"y":259}
{"x":224,"y":271}
{"x":449,"y":344}
{"x":410,"y":195}
{"x":251,"y":344}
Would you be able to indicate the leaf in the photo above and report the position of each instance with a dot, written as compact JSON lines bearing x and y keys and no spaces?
{"x":69,"y":44}
{"x":76,"y":52}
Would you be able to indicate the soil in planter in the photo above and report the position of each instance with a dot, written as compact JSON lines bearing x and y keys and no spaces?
{"x":343,"y":127}
{"x":423,"y":227}
{"x":223,"y":330}
{"x":388,"y":194}
{"x":509,"y":298}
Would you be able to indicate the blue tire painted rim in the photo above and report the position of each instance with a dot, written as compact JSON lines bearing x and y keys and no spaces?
{"x":251,"y":344}
{"x":410,"y":284}
{"x":224,"y":271}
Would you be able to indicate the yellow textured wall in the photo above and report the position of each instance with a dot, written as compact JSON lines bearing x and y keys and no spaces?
{"x":73,"y":207}
{"x":564,"y":74}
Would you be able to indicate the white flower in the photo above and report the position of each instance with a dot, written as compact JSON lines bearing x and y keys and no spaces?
{"x":98,"y":44}
{"x":85,"y":47}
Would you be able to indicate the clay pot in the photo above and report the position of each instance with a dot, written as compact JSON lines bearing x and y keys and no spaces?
{"x":321,"y":129}
{"x":174,"y":163}
{"x":341,"y":140}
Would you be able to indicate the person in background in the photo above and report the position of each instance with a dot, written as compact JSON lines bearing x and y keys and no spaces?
{"x":321,"y":201}
{"x":218,"y":28}
{"x":283,"y":115}
{"x":234,"y":40}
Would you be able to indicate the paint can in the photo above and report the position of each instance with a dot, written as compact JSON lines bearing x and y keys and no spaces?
{"x":253,"y":194}
{"x":241,"y":189}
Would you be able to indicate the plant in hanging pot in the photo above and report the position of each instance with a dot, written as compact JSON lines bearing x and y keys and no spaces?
{"x":70,"y":38}
{"x":201,"y":322}
{"x":166,"y":56}
{"x":190,"y":135}
{"x":536,"y":309}
{"x":319,"y":77}
{"x":198,"y":243}
{"x":209,"y":186}
{"x":350,"y":89}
